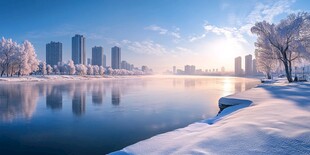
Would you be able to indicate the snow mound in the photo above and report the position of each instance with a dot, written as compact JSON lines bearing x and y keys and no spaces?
{"x":276,"y":120}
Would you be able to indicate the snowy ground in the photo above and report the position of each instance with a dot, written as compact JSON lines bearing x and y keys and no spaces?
{"x":269,"y":119}
{"x":36,"y":78}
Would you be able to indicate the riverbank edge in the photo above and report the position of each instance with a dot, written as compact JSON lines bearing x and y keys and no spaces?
{"x":229,"y":105}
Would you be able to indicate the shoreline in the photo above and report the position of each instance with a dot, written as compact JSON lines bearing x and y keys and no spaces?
{"x":61,"y":78}
{"x":252,"y":118}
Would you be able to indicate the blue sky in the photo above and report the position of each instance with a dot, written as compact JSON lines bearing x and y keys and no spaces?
{"x":157,"y":33}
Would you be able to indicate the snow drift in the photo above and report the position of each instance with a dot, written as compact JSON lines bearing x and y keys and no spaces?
{"x":268,"y":119}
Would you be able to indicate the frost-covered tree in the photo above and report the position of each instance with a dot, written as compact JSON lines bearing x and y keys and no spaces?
{"x":56,"y":70}
{"x":96,"y":69}
{"x":71,"y":67}
{"x":81,"y":69}
{"x":288,"y":40}
{"x":8,"y":50}
{"x":101,"y":70}
{"x":32,"y":62}
{"x":49,"y":69}
{"x":42,"y":68}
{"x":264,"y":63}
{"x":90,"y":70}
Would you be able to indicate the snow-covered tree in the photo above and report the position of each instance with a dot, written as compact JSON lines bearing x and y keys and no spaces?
{"x":49,"y":69}
{"x":101,"y":70}
{"x":81,"y":69}
{"x":42,"y":68}
{"x":56,"y":70}
{"x":8,"y":51}
{"x":32,"y":62}
{"x":96,"y":69}
{"x":264,"y":63}
{"x":90,"y":70}
{"x":71,"y":67}
{"x":288,"y":40}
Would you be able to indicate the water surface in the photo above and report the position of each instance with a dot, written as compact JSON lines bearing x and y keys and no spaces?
{"x":101,"y":116}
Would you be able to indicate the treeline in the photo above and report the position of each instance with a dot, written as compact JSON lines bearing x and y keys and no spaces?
{"x":21,"y":59}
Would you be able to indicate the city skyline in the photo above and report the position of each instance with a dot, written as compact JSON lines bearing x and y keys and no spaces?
{"x":187,"y":33}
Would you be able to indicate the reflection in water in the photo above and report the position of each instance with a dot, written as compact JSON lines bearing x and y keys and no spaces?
{"x":78,"y":103}
{"x":115,"y":95}
{"x":18,"y":100}
{"x":149,"y":106}
{"x":190,"y":83}
{"x":54,"y":99}
{"x":97,"y":94}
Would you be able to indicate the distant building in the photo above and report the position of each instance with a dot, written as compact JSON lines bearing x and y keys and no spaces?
{"x":223,"y":69}
{"x":174,"y":69}
{"x":116,"y":57}
{"x":126,"y":65}
{"x":97,"y":56}
{"x":88,"y":61}
{"x":238,"y":69}
{"x":78,"y":49}
{"x":248,"y":65}
{"x":254,"y":67}
{"x":189,"y":70}
{"x":53,"y":53}
{"x":104,"y":61}
{"x":193,"y":69}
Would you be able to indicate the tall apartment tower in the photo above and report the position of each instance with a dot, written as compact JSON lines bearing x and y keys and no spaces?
{"x":104,"y":61}
{"x":97,"y":56}
{"x":238,"y":69}
{"x":78,"y":49}
{"x":53,"y":53}
{"x":116,"y":57}
{"x":248,"y":65}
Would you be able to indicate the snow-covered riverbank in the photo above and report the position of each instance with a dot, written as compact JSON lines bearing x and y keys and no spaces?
{"x":269,"y":119}
{"x":50,"y":78}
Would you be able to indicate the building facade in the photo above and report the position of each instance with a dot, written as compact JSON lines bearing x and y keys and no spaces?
{"x":248,"y":66}
{"x":104,"y":61}
{"x":53,"y":53}
{"x":238,"y":69}
{"x":97,"y":56}
{"x":78,"y":49}
{"x":116,"y":57}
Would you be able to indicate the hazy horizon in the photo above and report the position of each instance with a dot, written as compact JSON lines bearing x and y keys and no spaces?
{"x":159,"y":34}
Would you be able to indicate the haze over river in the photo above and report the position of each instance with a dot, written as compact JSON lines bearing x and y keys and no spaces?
{"x":101,"y":116}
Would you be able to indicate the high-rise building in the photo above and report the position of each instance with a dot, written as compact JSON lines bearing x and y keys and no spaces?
{"x":125,"y":65}
{"x":104,"y":61}
{"x":97,"y":56}
{"x":78,"y":49}
{"x":53,"y":53}
{"x":88,"y":61}
{"x":238,"y":69}
{"x":189,"y":70}
{"x":248,"y":65}
{"x":116,"y":57}
{"x":193,"y":69}
{"x":254,"y":67}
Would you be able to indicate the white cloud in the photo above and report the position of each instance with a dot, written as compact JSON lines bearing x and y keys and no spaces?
{"x":156,"y":28}
{"x":145,"y":47}
{"x":194,"y":38}
{"x":261,"y":12}
{"x":175,"y":33}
